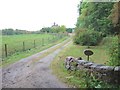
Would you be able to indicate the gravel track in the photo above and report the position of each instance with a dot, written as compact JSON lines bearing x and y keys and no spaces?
{"x":25,"y":74}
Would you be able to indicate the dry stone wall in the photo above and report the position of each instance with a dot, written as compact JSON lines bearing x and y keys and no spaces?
{"x":109,"y":74}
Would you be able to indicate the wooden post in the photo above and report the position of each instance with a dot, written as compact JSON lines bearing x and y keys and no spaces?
{"x":53,"y":38}
{"x":48,"y":40}
{"x":23,"y":46}
{"x":88,"y":57}
{"x":6,"y":53}
{"x":42,"y":41}
{"x":34,"y":43}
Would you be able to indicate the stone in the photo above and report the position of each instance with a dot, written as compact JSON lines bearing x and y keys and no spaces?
{"x":106,"y":68}
{"x":87,"y":65}
{"x":116,"y":69}
{"x":69,"y":58}
{"x":82,"y":62}
{"x":67,"y":66}
{"x":97,"y":68}
{"x":94,"y":66}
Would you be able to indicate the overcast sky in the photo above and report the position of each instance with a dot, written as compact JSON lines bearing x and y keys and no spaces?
{"x":34,"y":14}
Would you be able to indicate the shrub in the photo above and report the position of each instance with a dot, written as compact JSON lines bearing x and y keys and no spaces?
{"x":114,"y":52}
{"x":89,"y":37}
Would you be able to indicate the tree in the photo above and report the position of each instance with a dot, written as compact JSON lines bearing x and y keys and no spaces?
{"x":45,"y":29}
{"x":8,"y":31}
{"x":115,"y":16}
{"x":62,"y":29}
{"x":11,"y":31}
{"x":94,"y":16}
{"x":58,"y":29}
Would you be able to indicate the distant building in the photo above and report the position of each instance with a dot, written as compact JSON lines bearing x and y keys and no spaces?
{"x":55,"y":25}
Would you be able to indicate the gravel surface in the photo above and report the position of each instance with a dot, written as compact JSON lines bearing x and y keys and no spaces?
{"x":26,"y":74}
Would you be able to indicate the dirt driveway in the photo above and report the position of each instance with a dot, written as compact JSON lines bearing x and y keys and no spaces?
{"x":26,"y":74}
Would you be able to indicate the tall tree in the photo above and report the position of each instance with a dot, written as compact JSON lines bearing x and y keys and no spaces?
{"x":115,"y":17}
{"x":94,"y":16}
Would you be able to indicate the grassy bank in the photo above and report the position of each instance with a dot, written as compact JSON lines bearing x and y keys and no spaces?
{"x":19,"y":55}
{"x":77,"y":79}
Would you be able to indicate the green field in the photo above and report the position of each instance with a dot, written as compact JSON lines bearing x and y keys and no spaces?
{"x":33,"y":43}
{"x":18,"y":43}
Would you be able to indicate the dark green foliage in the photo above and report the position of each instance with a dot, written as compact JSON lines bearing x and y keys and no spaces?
{"x":94,"y":15}
{"x":88,"y":80}
{"x":114,"y":52}
{"x":115,"y":17}
{"x":91,"y":38}
{"x":15,"y":32}
{"x":46,"y":29}
{"x":8,"y":32}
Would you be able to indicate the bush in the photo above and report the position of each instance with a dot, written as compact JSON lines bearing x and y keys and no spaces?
{"x":114,"y":52}
{"x":89,"y":37}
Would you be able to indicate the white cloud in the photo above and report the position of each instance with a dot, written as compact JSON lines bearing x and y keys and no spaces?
{"x":35,"y":14}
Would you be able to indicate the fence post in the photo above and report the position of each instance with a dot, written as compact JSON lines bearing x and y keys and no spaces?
{"x":34,"y":43}
{"x":53,"y":38}
{"x":42,"y":41}
{"x":6,"y":53}
{"x":48,"y":40}
{"x":23,"y":46}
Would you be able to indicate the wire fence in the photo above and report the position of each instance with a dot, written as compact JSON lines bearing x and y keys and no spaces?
{"x":8,"y":49}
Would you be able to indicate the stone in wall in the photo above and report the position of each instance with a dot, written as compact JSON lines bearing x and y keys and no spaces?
{"x":106,"y":69}
{"x":117,"y":69}
{"x":117,"y":74}
{"x":87,"y":65}
{"x":82,"y":62}
{"x":70,"y":63}
{"x":94,"y":66}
